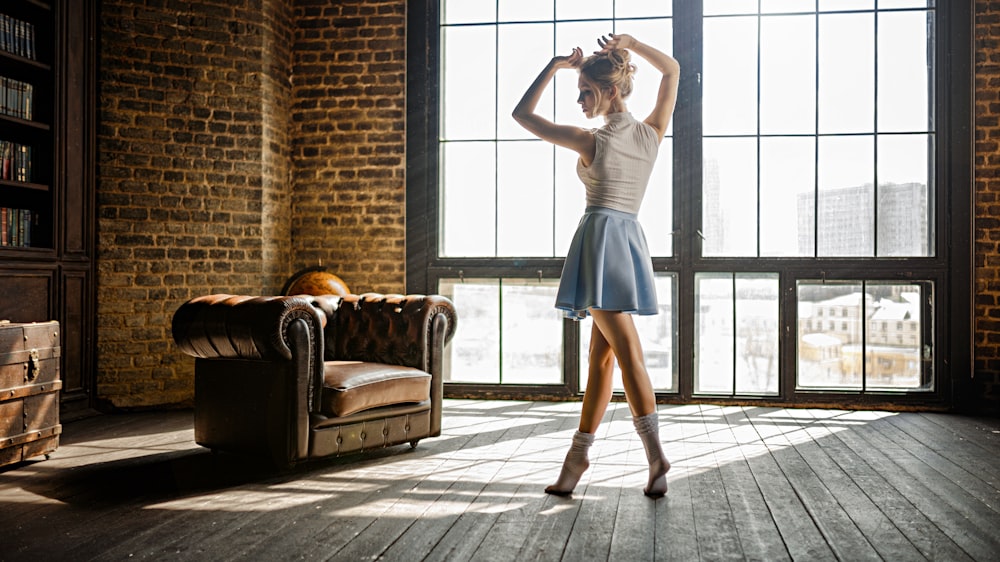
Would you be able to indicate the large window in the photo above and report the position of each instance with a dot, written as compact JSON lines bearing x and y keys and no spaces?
{"x":804,"y":217}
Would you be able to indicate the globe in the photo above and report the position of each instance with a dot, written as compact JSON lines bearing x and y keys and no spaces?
{"x":315,"y":281}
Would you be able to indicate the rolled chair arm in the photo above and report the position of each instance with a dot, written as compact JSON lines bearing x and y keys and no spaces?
{"x":244,"y":327}
{"x":255,"y":328}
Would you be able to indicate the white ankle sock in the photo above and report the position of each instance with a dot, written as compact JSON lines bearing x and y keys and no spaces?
{"x":574,"y":466}
{"x":648,"y":428}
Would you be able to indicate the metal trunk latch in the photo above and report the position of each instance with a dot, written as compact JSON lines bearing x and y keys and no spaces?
{"x":34,"y":365}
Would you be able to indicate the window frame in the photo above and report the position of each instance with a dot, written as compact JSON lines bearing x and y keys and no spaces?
{"x":949,"y":269}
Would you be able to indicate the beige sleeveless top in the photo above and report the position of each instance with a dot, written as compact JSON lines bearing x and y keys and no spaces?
{"x":623,"y":161}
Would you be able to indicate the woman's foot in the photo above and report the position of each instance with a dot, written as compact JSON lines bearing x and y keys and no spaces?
{"x":648,"y":428}
{"x":657,"y":485}
{"x":574,"y":466}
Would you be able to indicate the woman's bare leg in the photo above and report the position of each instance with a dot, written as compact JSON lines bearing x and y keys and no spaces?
{"x":595,"y":403}
{"x":619,"y":330}
{"x":620,"y":333}
{"x":600,"y":371}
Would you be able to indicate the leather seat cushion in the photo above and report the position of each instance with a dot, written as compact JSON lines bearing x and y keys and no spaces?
{"x":353,"y":386}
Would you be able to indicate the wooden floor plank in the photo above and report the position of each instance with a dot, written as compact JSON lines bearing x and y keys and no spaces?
{"x":979,"y":521}
{"x":547,"y":534}
{"x":427,"y":532}
{"x":633,"y":533}
{"x":593,"y":527}
{"x":891,"y":464}
{"x":762,"y":483}
{"x":734,"y":444}
{"x":803,"y":539}
{"x":715,"y":523}
{"x":470,"y":529}
{"x":413,"y":533}
{"x":964,"y":461}
{"x":675,"y":529}
{"x":86,"y":444}
{"x":915,"y":526}
{"x":876,"y":526}
{"x":982,"y":431}
{"x":526,"y":473}
{"x":828,"y":513}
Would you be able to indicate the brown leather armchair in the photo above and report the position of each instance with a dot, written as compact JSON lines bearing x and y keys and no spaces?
{"x":295,"y":378}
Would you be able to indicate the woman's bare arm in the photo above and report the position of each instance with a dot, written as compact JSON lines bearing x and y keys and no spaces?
{"x":526,"y":115}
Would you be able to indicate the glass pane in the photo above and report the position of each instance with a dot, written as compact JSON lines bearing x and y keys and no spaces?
{"x":582,"y":34}
{"x":888,"y":4}
{"x":570,"y":199}
{"x":830,"y":329}
{"x":846,"y":206}
{"x":729,"y":88}
{"x":846,"y":73}
{"x":524,"y":216}
{"x":585,"y":9}
{"x":893,"y":348}
{"x":531,"y":332}
{"x":657,"y":334}
{"x":728,"y":7}
{"x":714,"y":332}
{"x":656,"y":33}
{"x":524,"y":10}
{"x":757,"y":334}
{"x":467,"y":11}
{"x":473,"y":356}
{"x":729,"y":199}
{"x":468,"y":95}
{"x":904,"y":71}
{"x":787,"y":196}
{"x":468,"y":195}
{"x":519,"y":44}
{"x":642,"y":9}
{"x":788,"y":74}
{"x":904,"y":207}
{"x":657,"y":212}
{"x":787,"y":6}
{"x":844,"y":5}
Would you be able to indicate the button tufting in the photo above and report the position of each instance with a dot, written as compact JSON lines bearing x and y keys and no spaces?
{"x":363,"y":436}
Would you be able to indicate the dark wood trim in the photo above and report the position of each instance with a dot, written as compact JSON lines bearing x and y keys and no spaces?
{"x":956,"y":141}
{"x":421,"y":141}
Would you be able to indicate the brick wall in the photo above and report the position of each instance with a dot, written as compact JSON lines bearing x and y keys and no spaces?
{"x":987,"y":201}
{"x":240,"y":141}
{"x":348,"y":141}
{"x":243,"y":140}
{"x":192,"y":176}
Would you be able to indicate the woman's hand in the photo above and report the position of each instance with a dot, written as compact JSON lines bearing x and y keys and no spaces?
{"x":612,"y":41}
{"x":572,"y":60}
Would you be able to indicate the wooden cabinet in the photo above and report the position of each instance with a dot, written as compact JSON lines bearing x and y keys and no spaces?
{"x":47,"y":161}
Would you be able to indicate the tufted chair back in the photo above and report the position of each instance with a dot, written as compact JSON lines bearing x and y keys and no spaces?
{"x":392,"y":329}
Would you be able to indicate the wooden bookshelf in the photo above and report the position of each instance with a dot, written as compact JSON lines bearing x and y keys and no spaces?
{"x":53,"y":277}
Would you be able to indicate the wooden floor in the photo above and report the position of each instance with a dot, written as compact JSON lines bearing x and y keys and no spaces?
{"x":747,"y":483}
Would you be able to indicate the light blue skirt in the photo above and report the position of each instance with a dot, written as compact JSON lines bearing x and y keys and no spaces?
{"x":607,"y":266}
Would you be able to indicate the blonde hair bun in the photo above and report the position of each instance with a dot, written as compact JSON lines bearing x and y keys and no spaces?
{"x":613,"y":68}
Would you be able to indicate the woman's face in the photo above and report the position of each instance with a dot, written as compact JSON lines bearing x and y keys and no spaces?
{"x":592,"y":104}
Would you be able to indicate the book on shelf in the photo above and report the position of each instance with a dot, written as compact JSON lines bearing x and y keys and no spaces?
{"x":16,"y":98}
{"x":15,"y":162}
{"x":17,"y":37}
{"x":16,"y":226}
